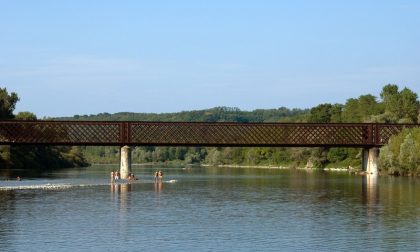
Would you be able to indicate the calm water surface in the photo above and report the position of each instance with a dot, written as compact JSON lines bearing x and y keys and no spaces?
{"x":210,"y":209}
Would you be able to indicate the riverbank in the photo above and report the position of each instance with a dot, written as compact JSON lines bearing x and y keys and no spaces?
{"x":349,"y":169}
{"x":343,"y":169}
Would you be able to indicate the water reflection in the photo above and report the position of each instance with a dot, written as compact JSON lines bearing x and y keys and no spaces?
{"x":370,"y":190}
{"x":120,"y":193}
{"x":158,"y":186}
{"x":215,"y":209}
{"x":123,"y":188}
{"x":7,"y":211}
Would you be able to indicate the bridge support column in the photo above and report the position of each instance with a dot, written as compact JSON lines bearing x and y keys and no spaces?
{"x":125,"y":164}
{"x":370,"y":160}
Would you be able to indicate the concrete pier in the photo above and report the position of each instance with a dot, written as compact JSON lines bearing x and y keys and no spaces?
{"x":370,"y":160}
{"x":125,"y":164}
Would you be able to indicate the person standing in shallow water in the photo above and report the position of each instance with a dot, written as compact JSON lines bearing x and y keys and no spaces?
{"x":112,"y":177}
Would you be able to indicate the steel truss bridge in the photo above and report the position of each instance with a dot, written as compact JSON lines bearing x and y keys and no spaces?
{"x":118,"y":133}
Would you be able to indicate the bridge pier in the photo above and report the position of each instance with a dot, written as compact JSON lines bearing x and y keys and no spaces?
{"x":125,"y":164}
{"x":370,"y":160}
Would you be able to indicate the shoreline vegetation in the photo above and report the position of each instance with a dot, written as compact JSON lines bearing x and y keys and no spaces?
{"x":401,"y":156}
{"x":343,"y":169}
{"x":338,"y":169}
{"x":349,"y":169}
{"x":233,"y":166}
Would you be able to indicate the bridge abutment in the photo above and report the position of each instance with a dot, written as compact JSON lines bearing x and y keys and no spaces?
{"x":370,"y":160}
{"x":125,"y":164}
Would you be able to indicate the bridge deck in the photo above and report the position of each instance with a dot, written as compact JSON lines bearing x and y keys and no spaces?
{"x":195,"y":133}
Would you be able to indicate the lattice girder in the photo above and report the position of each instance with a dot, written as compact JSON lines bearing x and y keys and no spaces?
{"x":195,"y":134}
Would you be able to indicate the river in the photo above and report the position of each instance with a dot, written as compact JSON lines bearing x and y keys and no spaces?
{"x":210,"y":209}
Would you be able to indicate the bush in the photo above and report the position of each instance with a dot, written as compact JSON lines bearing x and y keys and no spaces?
{"x":402,"y":154}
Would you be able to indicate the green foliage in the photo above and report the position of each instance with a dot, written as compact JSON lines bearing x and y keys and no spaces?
{"x":319,"y":157}
{"x":390,"y":98}
{"x":105,"y":154}
{"x":41,"y":158}
{"x":7,"y":103}
{"x":336,"y":155}
{"x":34,"y":158}
{"x":26,"y":116}
{"x":409,"y":154}
{"x":402,"y":154}
{"x":4,"y":156}
{"x":363,"y":109}
{"x":218,"y":114}
{"x":214,"y":156}
{"x":410,"y":105}
{"x":401,"y":107}
{"x":228,"y":155}
{"x":326,"y":113}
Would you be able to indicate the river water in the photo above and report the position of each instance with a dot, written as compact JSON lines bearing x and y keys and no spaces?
{"x":210,"y":209}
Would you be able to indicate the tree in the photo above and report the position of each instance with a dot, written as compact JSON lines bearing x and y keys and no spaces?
{"x":351,"y":111}
{"x":319,"y":157}
{"x":26,"y":116}
{"x":409,"y":151}
{"x":401,"y":106}
{"x":214,"y":157}
{"x":368,"y":106}
{"x":390,"y":98}
{"x":326,"y":113}
{"x":7,"y":103}
{"x":401,"y":154}
{"x":363,"y":109}
{"x":409,"y":105}
{"x":337,"y":154}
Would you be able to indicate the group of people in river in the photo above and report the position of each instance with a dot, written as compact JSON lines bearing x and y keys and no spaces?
{"x":116,"y":176}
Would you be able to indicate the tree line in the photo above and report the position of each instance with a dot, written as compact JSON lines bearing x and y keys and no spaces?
{"x":393,"y":105}
{"x":33,"y":159}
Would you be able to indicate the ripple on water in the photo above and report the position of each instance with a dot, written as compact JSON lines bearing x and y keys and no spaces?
{"x":215,"y":212}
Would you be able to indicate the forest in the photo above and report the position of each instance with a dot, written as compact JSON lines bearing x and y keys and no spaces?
{"x":400,"y":156}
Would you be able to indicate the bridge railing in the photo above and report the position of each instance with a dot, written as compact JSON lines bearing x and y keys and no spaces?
{"x":195,"y":133}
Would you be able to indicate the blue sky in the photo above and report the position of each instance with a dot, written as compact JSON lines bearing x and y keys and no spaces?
{"x":86,"y":57}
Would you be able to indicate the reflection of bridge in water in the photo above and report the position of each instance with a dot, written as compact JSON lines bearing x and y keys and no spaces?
{"x":369,"y":136}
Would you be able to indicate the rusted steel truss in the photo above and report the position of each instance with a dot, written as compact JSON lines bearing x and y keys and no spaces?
{"x":195,"y":134}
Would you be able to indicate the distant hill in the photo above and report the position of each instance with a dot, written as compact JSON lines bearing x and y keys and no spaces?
{"x":218,"y":114}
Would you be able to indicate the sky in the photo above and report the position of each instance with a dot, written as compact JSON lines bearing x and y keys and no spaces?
{"x":78,"y":57}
